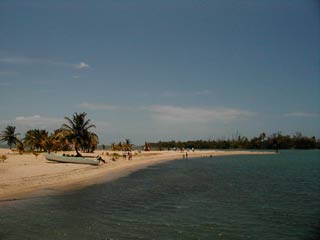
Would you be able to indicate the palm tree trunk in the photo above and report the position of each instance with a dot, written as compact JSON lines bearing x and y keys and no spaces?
{"x":78,"y":153}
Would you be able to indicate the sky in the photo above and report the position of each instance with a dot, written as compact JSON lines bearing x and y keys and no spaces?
{"x":162,"y":70}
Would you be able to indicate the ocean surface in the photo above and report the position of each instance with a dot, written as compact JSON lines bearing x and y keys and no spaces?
{"x":233,"y":197}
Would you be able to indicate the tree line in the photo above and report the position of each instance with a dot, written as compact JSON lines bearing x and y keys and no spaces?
{"x":74,"y":134}
{"x":121,"y":146}
{"x":274,"y":141}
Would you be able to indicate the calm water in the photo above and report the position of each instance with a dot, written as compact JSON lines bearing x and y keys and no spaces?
{"x":235,"y":197}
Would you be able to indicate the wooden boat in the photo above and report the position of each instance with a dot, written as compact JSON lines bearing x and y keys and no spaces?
{"x":65,"y":159}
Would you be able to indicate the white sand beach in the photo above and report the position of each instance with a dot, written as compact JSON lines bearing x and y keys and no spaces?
{"x":22,"y":175}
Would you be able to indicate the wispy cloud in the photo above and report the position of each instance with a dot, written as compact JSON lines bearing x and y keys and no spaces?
{"x":95,"y":106}
{"x":18,"y":60}
{"x":35,"y":121}
{"x":199,"y":115}
{"x":33,"y":61}
{"x":301,"y":114}
{"x":81,"y":65}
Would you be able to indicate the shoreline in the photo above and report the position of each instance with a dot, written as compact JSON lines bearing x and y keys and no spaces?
{"x":23,"y":176}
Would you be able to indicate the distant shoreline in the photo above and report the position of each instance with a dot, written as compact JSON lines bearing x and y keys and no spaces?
{"x":26,"y":175}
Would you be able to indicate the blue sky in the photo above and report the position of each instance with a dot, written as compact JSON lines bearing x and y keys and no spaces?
{"x":161,"y":70}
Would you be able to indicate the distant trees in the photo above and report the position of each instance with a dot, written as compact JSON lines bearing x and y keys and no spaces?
{"x":75,"y":133}
{"x":274,"y":141}
{"x":122,"y":146}
{"x":128,"y":145}
{"x":303,"y":142}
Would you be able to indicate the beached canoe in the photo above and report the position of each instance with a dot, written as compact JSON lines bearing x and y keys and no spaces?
{"x":65,"y":159}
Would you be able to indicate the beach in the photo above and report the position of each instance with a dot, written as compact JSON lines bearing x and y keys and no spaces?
{"x":27,"y":174}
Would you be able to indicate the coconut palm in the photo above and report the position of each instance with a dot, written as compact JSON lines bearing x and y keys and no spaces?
{"x":20,"y":146}
{"x":120,"y":146}
{"x":48,"y":143}
{"x":91,"y":142}
{"x":9,"y":136}
{"x":128,"y":145}
{"x":60,"y":142}
{"x":34,"y":139}
{"x":77,"y":130}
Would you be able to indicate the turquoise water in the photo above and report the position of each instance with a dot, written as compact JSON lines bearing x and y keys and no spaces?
{"x":234,"y":197}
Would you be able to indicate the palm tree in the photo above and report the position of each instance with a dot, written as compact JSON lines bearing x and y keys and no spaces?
{"x":60,"y":142}
{"x":34,"y":139}
{"x":120,"y":146}
{"x":77,"y":130}
{"x":48,"y":143}
{"x":9,"y":136}
{"x":128,"y":144}
{"x":91,"y":142}
{"x":20,"y":146}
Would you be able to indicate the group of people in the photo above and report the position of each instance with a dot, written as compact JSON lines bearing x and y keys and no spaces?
{"x":125,"y":154}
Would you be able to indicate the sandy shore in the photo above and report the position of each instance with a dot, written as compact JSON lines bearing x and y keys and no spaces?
{"x":22,"y":175}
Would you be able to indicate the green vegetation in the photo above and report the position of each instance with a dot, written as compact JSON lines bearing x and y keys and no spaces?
{"x":77,"y":133}
{"x":116,"y":155}
{"x":274,"y":141}
{"x":9,"y":136}
{"x":122,"y":146}
{"x":35,"y":138}
{"x":74,"y":134}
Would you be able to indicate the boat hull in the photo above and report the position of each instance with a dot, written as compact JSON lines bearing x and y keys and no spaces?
{"x":65,"y":159}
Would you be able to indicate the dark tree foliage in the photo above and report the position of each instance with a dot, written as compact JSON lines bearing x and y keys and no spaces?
{"x":77,"y":132}
{"x":9,"y":136}
{"x":34,"y":139}
{"x":274,"y":141}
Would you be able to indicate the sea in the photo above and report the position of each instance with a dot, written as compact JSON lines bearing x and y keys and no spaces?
{"x":274,"y":197}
